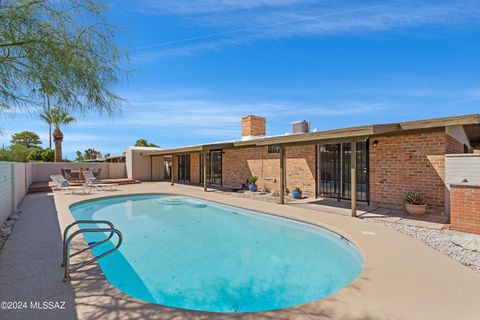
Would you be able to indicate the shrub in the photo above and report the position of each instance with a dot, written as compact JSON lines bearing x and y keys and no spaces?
{"x":48,"y":155}
{"x":414,"y":198}
{"x":297,"y":189}
{"x":266,"y":189}
{"x":35,"y":154}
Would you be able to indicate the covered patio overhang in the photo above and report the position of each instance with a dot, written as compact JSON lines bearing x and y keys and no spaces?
{"x":470,"y":123}
{"x":201,"y":149}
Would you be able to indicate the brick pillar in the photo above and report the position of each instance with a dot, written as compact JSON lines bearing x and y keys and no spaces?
{"x":465,"y":208}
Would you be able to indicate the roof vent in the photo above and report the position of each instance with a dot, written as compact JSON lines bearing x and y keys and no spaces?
{"x":300,"y":126}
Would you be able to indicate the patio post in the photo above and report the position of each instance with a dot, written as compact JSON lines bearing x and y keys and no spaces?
{"x":353,"y":179}
{"x":282,"y":174}
{"x":204,"y":172}
{"x":172,"y":169}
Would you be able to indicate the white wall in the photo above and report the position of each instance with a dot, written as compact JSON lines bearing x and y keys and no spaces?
{"x":42,"y":171}
{"x":19,"y":180}
{"x":16,"y":178}
{"x":462,"y":166}
{"x":144,"y":168}
{"x":12,"y":188}
{"x":6,"y":191}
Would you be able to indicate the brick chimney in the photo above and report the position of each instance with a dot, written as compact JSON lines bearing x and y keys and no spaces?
{"x":253,"y":126}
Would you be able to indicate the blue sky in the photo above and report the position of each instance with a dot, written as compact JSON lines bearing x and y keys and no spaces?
{"x":201,"y":65}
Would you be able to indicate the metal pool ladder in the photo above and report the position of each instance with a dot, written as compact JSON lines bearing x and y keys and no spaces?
{"x":67,"y":239}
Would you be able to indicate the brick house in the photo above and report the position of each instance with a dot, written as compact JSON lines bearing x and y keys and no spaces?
{"x":391,"y":159}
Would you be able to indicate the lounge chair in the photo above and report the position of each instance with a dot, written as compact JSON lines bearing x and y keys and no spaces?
{"x":60,"y":183}
{"x":91,"y":181}
{"x":98,"y":174}
{"x":67,"y":173}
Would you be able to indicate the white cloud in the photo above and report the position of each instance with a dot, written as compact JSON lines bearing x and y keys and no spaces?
{"x":237,"y":22}
{"x":193,"y":7}
{"x":215,"y":118}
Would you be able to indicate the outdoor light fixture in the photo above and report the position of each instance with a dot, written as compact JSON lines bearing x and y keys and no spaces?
{"x":375,"y":143}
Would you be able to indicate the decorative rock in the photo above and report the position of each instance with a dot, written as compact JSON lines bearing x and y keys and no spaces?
{"x":469,"y":242}
{"x":6,"y":224}
{"x":14,"y":216}
{"x":5,"y":231}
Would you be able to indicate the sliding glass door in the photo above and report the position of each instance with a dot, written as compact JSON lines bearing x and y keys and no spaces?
{"x":184,"y":167}
{"x":214,"y":167}
{"x":334,"y":163}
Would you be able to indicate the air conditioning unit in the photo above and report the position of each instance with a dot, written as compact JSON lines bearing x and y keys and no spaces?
{"x":300,"y":126}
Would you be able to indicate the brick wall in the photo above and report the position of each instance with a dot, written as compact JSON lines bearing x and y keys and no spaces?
{"x":253,"y":126}
{"x":408,"y":162}
{"x":239,"y":164}
{"x":300,"y":164}
{"x":465,"y":208}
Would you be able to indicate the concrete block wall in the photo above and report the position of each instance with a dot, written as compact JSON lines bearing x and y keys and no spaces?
{"x":12,"y":187}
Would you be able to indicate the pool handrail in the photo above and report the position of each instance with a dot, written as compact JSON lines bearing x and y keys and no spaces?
{"x":68,"y":238}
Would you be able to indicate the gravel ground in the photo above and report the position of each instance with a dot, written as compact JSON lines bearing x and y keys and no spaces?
{"x":440,"y":240}
{"x":270,"y":197}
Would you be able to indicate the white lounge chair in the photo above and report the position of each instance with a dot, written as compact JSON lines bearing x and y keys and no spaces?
{"x":60,"y":183}
{"x":91,"y":181}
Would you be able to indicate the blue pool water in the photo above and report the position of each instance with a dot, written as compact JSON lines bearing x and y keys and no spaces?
{"x":193,"y":254}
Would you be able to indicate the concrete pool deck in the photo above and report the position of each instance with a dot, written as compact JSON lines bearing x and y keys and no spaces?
{"x":402,"y":279}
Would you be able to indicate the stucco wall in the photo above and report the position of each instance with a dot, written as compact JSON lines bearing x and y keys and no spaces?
{"x":141,"y":167}
{"x":42,"y":171}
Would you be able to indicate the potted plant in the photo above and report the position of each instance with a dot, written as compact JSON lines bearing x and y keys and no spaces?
{"x":297,"y":193}
{"x":251,"y":183}
{"x":414,"y":203}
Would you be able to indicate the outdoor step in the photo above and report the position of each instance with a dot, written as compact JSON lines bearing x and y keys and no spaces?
{"x":45,"y":186}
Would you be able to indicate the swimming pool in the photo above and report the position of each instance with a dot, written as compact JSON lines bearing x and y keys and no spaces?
{"x":193,"y":254}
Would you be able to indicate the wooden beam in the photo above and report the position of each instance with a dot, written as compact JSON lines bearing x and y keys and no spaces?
{"x":172,"y":167}
{"x":204,"y":172}
{"x":282,"y":174}
{"x":353,"y":178}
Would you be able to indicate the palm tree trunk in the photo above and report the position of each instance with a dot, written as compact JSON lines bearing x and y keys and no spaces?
{"x":58,"y":137}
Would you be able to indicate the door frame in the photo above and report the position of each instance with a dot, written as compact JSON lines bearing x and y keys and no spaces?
{"x":210,"y":167}
{"x":339,"y":165}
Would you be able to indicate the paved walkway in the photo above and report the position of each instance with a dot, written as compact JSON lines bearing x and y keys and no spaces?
{"x":364,"y":211}
{"x":402,"y":278}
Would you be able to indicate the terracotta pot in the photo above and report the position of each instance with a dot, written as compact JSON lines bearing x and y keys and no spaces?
{"x":415,"y":208}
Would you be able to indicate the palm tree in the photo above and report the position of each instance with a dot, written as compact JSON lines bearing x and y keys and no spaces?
{"x":47,"y":90}
{"x":57,"y":117}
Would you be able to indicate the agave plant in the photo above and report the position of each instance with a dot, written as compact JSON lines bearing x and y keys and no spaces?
{"x":414,"y":198}
{"x":252,"y":179}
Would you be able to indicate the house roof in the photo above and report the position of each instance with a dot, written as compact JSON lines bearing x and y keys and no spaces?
{"x":470,"y":122}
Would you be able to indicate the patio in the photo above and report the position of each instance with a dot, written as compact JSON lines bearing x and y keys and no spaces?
{"x":402,"y":279}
